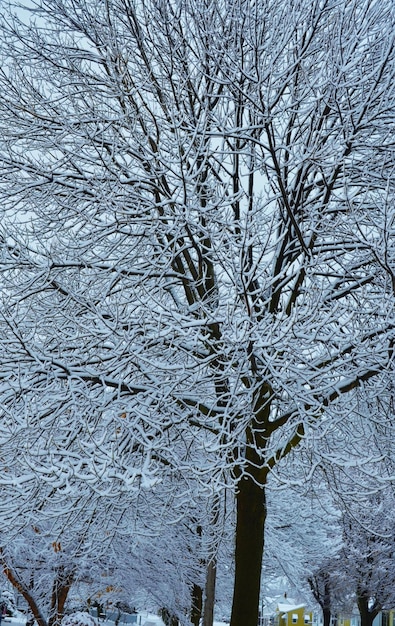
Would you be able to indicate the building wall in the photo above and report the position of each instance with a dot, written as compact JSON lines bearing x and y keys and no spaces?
{"x":295,"y":616}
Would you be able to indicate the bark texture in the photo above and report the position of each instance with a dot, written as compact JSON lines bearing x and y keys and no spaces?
{"x":251,"y":514}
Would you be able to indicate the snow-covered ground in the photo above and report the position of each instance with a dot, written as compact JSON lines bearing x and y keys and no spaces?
{"x":18,"y":620}
{"x":149,"y":619}
{"x":143,"y":619}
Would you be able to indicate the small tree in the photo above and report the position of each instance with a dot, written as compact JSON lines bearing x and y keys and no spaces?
{"x":320,"y":585}
{"x":367,"y":558}
{"x":45,"y":550}
{"x":360,"y":482}
{"x":29,"y":572}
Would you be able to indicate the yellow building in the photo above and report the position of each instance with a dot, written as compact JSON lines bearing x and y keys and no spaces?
{"x":293,"y":615}
{"x":385,"y":618}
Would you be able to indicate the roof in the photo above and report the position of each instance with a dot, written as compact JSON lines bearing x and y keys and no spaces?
{"x":286,"y":608}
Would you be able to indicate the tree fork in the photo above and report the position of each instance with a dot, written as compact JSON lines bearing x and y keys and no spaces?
{"x":367,"y":612}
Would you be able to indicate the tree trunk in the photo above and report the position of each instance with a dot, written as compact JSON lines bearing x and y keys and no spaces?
{"x":211,"y":568}
{"x":250,"y":525}
{"x":320,"y":586}
{"x":209,"y":599}
{"x":197,"y":604}
{"x":168,"y":617}
{"x":38,"y":616}
{"x":366,"y":612}
{"x":326,"y":615}
{"x":60,"y":591}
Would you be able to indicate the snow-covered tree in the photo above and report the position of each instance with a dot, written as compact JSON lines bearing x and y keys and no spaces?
{"x":45,"y":550}
{"x":368,"y":555}
{"x":57,"y":538}
{"x":365,"y":493}
{"x":197,"y":255}
{"x":360,"y":482}
{"x":303,"y":534}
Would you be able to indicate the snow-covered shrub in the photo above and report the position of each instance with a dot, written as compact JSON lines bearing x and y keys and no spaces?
{"x":79,"y":619}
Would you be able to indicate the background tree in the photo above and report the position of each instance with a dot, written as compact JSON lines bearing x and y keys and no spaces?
{"x":367,"y":559}
{"x":57,"y":539}
{"x":303,"y":533}
{"x":197,"y":260}
{"x":330,"y":515}
{"x":321,"y":588}
{"x":359,"y":479}
{"x":43,"y":558}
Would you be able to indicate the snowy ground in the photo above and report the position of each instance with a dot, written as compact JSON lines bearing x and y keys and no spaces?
{"x":143,"y":619}
{"x":150,"y":619}
{"x":20,"y":620}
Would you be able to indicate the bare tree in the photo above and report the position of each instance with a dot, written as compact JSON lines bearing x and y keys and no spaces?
{"x":197,"y":252}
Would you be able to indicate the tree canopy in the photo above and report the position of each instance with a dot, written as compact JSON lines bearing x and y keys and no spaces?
{"x":197,"y":254}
